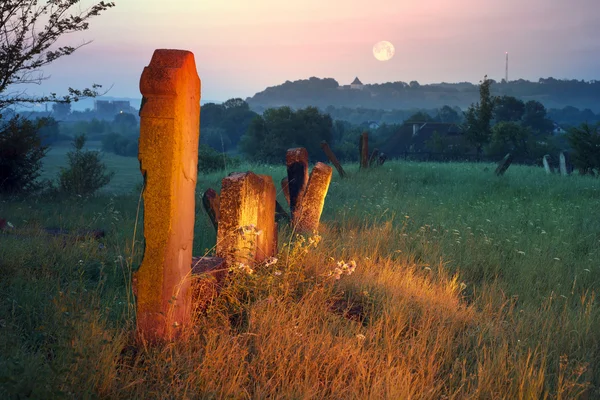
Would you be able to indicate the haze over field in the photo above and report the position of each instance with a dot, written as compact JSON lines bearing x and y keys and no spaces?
{"x":241,"y":47}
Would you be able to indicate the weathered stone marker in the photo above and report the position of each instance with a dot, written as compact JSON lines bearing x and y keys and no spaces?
{"x":247,"y":228}
{"x":547,"y":167}
{"x":363,"y":149}
{"x":297,"y":171}
{"x":307,"y":221}
{"x":168,"y":154}
{"x":382,"y":158}
{"x":565,"y":167}
{"x":267,"y":240}
{"x":286,"y":189}
{"x":374,"y":157}
{"x":210,"y":201}
{"x":333,"y":158}
{"x":504,"y":164}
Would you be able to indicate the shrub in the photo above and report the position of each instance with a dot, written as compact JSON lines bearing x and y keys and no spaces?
{"x":210,"y":160}
{"x":585,"y":141}
{"x":86,"y":173}
{"x":21,"y":153}
{"x":120,"y":145}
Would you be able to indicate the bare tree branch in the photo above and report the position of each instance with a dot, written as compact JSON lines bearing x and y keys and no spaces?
{"x":25,"y":47}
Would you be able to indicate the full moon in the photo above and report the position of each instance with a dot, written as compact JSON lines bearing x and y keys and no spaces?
{"x":383,"y":51}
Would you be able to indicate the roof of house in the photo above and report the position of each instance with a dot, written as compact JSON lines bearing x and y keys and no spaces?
{"x":356,"y":81}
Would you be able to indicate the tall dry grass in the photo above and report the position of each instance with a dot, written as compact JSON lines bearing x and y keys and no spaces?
{"x":442,"y":304}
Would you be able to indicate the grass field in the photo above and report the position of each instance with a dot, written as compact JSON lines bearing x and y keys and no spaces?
{"x":467,"y":285}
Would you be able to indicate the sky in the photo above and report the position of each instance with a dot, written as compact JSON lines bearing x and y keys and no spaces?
{"x":243,"y":46}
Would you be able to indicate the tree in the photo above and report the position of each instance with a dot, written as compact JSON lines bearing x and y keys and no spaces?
{"x":478,"y":117}
{"x":448,"y":114}
{"x":510,"y":137}
{"x":535,"y":117}
{"x":419,"y":116}
{"x":26,"y":45}
{"x":278,"y":129}
{"x":21,"y":153}
{"x":585,"y":141}
{"x":508,"y":109}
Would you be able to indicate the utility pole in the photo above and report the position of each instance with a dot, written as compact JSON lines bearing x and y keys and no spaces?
{"x":506,"y":71}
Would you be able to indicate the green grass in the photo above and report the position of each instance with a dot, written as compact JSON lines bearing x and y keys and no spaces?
{"x":468,"y":285}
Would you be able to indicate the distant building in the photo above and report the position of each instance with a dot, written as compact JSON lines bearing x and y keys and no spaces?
{"x":558,"y":130}
{"x":357,"y":84}
{"x":108,"y":109}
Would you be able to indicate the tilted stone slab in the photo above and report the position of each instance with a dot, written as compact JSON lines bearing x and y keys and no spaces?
{"x":210,"y":201}
{"x":297,"y":169}
{"x":504,"y":164}
{"x":547,"y":167}
{"x":314,"y":199}
{"x":168,"y":154}
{"x":331,"y":156}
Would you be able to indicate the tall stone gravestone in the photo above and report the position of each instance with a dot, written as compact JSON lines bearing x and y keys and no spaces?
{"x":168,"y":154}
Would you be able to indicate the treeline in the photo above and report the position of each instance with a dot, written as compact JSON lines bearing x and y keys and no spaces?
{"x":553,"y":93}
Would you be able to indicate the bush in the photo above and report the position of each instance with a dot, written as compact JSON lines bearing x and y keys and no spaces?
{"x":86,"y":173}
{"x":585,"y":141}
{"x":210,"y":160}
{"x":120,"y":145}
{"x":21,"y":153}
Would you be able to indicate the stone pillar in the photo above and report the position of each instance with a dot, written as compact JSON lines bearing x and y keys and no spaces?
{"x":210,"y":201}
{"x":547,"y":166}
{"x":564,"y":164}
{"x":314,"y":199}
{"x":333,"y":158}
{"x":364,"y":150}
{"x":168,"y":154}
{"x":297,"y":170}
{"x":247,"y":213}
{"x":267,"y":240}
{"x":504,"y":164}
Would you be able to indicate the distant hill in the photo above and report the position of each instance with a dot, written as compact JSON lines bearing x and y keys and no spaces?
{"x":553,"y":93}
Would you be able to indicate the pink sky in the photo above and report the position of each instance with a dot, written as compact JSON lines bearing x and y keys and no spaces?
{"x":243,"y":46}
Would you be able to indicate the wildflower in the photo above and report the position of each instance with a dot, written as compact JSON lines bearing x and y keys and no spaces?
{"x":277,"y":273}
{"x":270,"y":261}
{"x":246,"y":268}
{"x":337,"y":273}
{"x":557,"y":259}
{"x":543,"y":232}
{"x":360,"y":337}
{"x":521,"y":252}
